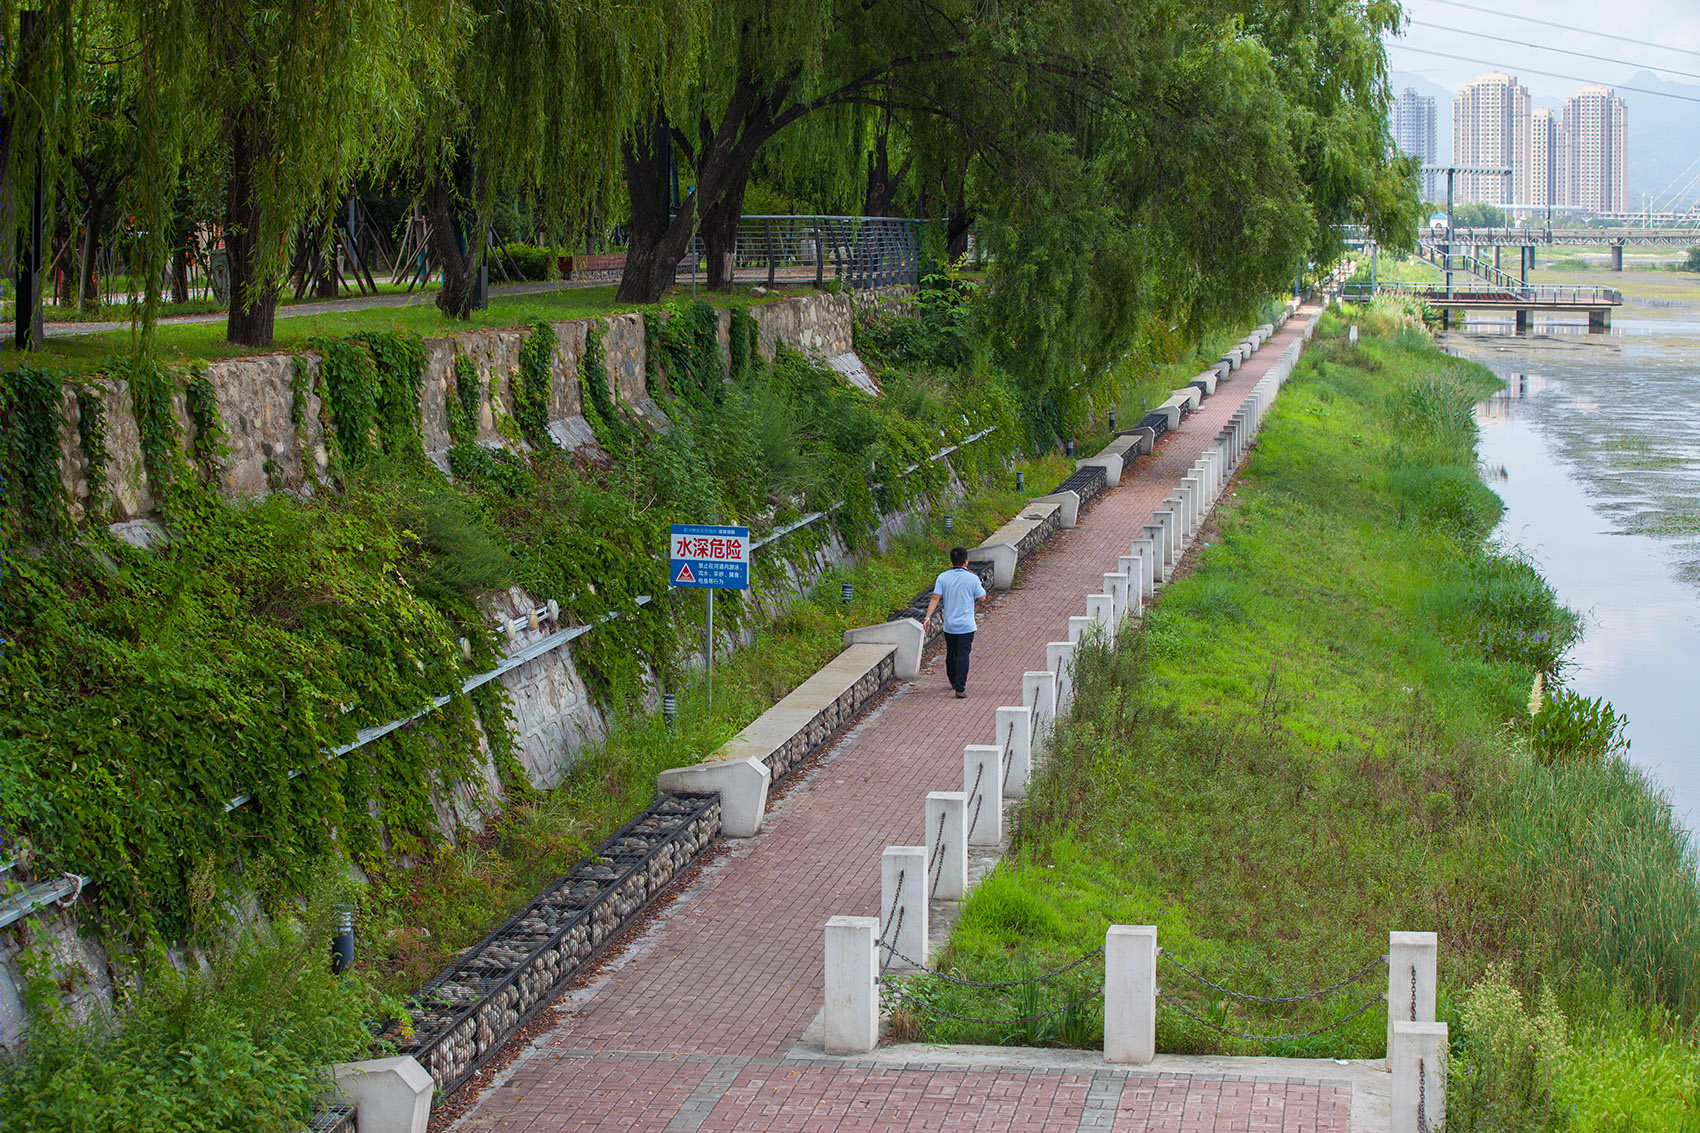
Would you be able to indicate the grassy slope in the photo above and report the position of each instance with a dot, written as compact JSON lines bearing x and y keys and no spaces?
{"x":1321,"y":736}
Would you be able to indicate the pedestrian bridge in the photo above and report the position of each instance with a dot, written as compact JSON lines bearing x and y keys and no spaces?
{"x":1522,"y":301}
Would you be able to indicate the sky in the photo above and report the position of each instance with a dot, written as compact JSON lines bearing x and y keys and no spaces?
{"x":1675,"y":23}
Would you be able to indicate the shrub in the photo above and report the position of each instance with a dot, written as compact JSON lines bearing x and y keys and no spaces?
{"x":1570,"y":726}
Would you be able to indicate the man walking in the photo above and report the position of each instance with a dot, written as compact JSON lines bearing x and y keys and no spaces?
{"x":957,"y":589}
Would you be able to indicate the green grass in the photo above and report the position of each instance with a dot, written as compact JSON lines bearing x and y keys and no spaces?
{"x":419,"y":918}
{"x":1322,"y":734}
{"x":205,"y":342}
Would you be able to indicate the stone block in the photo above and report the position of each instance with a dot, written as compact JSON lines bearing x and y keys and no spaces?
{"x":1068,"y":506}
{"x":741,"y":783}
{"x":1192,"y":395}
{"x":1015,"y":733}
{"x":1130,"y":994}
{"x":982,"y":784}
{"x":947,"y":838}
{"x":904,"y":633}
{"x":1112,"y":466}
{"x":903,"y":900}
{"x":388,"y":1095}
{"x":851,"y":1018}
{"x":1208,"y":380}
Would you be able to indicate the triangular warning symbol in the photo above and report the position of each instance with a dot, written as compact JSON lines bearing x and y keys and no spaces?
{"x":685,"y":574}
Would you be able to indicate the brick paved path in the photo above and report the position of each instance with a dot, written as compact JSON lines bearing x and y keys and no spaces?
{"x":693,"y":1027}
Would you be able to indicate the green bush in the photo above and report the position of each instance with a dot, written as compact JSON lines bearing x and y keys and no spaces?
{"x":242,"y":1043}
{"x":1570,"y":726}
{"x":532,"y":263}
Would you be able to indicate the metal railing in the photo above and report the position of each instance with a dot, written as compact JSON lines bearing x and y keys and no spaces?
{"x":858,"y":252}
{"x":1544,"y":296}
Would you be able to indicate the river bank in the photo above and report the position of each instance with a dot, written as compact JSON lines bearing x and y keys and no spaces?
{"x":1322,"y":734}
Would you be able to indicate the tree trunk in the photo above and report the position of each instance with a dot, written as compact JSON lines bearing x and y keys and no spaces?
{"x":455,"y":299}
{"x":253,"y":300}
{"x":956,"y":228}
{"x":654,"y":242}
{"x":719,"y":229}
{"x":882,"y":182}
{"x":180,"y":275}
{"x":88,"y":283}
{"x":65,"y":280}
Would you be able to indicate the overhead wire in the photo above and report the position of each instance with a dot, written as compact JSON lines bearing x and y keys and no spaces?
{"x":1548,"y":74}
{"x":1556,"y":50}
{"x":1567,"y":27}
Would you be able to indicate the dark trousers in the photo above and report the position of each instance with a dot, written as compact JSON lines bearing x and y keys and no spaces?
{"x":957,"y":646}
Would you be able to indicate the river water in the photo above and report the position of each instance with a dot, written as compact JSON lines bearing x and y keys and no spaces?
{"x":1595,"y":448}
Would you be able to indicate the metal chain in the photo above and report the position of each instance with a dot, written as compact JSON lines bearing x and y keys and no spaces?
{"x":1413,"y":993}
{"x":995,"y":984}
{"x":938,"y":853}
{"x":1422,"y":1098}
{"x":979,"y":773}
{"x":1322,"y":993}
{"x":1185,"y":1010}
{"x":1020,"y":1020}
{"x":1007,"y":758}
{"x":896,"y":915}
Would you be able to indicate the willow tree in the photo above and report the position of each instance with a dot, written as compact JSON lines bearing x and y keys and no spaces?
{"x":543,"y":91}
{"x":300,"y":96}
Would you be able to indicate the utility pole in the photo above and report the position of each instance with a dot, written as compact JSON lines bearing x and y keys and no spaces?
{"x":1451,"y":171}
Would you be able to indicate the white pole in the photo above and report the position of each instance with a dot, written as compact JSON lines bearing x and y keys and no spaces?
{"x":708,"y":648}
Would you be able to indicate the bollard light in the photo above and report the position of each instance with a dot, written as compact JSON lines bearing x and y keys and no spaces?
{"x":342,"y":944}
{"x":1112,"y":420}
{"x":1020,"y":480}
{"x":670,"y":709}
{"x":848,"y":591}
{"x":950,"y":523}
{"x":1068,"y":447}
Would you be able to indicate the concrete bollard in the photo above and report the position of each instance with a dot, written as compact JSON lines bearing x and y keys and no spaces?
{"x":903,"y":904}
{"x":1134,"y":568}
{"x":982,"y":785}
{"x":1130,"y":994}
{"x":1411,"y":960}
{"x":1169,"y":520}
{"x":947,"y":844}
{"x":1154,"y":536}
{"x":1417,"y":1059}
{"x":851,"y":1019}
{"x":1101,"y":608}
{"x":388,"y":1095}
{"x":1193,"y":485}
{"x":1120,"y":588}
{"x":1077,"y":624}
{"x":1039,"y":696}
{"x":1059,"y":657}
{"x":1015,"y":738}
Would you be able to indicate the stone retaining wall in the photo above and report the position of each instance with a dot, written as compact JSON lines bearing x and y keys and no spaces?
{"x":256,"y":397}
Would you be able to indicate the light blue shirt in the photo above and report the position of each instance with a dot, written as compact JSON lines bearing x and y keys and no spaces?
{"x":957,"y":589}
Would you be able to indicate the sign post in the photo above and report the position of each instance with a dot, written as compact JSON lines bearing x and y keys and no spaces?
{"x":709,"y":558}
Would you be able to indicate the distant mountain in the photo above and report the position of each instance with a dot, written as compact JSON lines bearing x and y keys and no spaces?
{"x":1399,"y":80}
{"x":1664,"y":138}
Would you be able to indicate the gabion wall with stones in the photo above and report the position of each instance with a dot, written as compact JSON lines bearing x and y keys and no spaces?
{"x":1088,"y":483}
{"x":831,"y":717}
{"x":465,"y":1015}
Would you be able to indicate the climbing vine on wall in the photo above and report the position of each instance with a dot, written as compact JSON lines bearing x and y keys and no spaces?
{"x":91,"y":439}
{"x":467,"y":397}
{"x":400,"y":363}
{"x":29,"y":447}
{"x":600,"y":413}
{"x":152,"y":394}
{"x":744,"y":345}
{"x":201,"y":401}
{"x":531,"y":384}
{"x":349,"y":377}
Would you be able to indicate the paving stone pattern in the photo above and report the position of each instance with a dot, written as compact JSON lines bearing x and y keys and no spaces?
{"x":732,"y":975}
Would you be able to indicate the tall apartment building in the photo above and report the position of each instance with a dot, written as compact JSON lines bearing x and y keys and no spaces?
{"x":1490,"y":126}
{"x":1413,"y":133}
{"x":1594,"y":131}
{"x":1548,"y":152}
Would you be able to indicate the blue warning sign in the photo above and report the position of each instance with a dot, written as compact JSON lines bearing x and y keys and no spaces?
{"x":716,"y":558}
